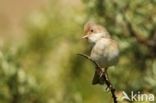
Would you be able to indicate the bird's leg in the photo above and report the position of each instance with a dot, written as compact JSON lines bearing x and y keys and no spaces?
{"x":107,"y":77}
{"x":102,"y":71}
{"x":105,"y":73}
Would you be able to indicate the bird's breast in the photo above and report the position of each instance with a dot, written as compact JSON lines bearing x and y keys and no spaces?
{"x":105,"y":53}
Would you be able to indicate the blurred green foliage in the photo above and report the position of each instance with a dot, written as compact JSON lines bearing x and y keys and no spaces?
{"x":44,"y":68}
{"x":133,"y":24}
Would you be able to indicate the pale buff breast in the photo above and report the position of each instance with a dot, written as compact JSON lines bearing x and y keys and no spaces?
{"x":105,"y":52}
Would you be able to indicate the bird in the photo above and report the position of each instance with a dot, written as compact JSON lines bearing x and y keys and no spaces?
{"x":104,"y":49}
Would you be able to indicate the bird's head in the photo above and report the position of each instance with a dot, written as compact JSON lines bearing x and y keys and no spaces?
{"x":93,"y":32}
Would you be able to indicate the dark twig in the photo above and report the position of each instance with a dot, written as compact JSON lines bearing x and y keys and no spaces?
{"x":87,"y":57}
{"x":103,"y":76}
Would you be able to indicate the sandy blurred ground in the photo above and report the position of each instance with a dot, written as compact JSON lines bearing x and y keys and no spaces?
{"x":12,"y":14}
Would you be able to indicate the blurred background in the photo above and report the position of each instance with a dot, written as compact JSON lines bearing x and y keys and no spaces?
{"x":39,"y":40}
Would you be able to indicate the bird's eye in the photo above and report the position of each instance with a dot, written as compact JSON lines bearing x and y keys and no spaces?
{"x":92,"y":30}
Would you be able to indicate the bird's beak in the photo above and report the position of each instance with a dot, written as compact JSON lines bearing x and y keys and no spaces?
{"x":84,"y":37}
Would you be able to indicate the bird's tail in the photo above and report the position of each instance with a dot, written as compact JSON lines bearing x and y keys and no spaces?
{"x":98,"y":78}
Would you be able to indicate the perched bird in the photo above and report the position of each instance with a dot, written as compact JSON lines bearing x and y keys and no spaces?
{"x":104,"y":49}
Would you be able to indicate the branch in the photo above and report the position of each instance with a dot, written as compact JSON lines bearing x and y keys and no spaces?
{"x":103,"y":76}
{"x":87,"y":57}
{"x":148,"y":42}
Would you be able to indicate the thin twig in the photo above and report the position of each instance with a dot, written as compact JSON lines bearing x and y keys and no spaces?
{"x":112,"y":89}
{"x":87,"y":57}
{"x":104,"y":77}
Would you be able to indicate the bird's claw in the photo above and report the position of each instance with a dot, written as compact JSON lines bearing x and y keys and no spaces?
{"x":107,"y":89}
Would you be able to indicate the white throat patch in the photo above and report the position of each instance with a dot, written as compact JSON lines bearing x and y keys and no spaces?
{"x":95,"y":37}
